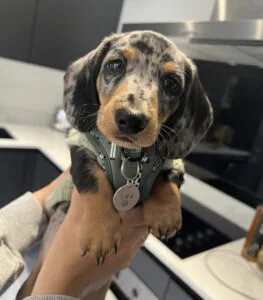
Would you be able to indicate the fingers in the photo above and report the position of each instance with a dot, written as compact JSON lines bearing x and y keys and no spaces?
{"x":76,"y":206}
{"x":57,"y":181}
{"x":133,"y":217}
{"x":133,"y":235}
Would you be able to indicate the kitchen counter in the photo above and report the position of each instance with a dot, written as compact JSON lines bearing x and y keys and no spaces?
{"x":193,"y":270}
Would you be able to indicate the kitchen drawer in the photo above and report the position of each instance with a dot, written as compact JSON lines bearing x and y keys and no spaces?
{"x":23,"y":170}
{"x":150,"y":272}
{"x":132,"y":286}
{"x":175,"y":291}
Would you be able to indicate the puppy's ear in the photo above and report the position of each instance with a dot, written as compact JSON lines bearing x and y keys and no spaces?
{"x":191,"y":120}
{"x":81,"y":101}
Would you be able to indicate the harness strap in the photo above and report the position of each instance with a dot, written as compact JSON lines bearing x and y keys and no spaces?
{"x":110,"y":157}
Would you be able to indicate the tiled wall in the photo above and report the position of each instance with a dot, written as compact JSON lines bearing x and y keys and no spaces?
{"x":29,"y":94}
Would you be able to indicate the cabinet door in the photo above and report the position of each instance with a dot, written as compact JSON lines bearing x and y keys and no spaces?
{"x":16,"y":28}
{"x":154,"y":276}
{"x":12,"y":171}
{"x":44,"y":173}
{"x":66,"y":29}
{"x":175,"y":291}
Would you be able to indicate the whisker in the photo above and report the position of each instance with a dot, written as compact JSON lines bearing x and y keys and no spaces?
{"x":166,"y":132}
{"x":89,"y":104}
{"x":172,"y":130}
{"x":83,"y":119}
{"x":88,"y":115}
{"x":87,"y":120}
{"x":154,"y":146}
{"x":161,"y":148}
{"x":85,"y":115}
{"x":158,"y":144}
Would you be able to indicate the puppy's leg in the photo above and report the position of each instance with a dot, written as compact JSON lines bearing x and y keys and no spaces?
{"x":162,"y":210}
{"x":101,"y":223}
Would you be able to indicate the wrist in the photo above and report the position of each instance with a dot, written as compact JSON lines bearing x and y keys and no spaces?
{"x":42,"y":194}
{"x":53,"y":284}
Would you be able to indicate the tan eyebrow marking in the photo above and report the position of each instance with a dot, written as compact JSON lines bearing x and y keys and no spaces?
{"x":168,"y":67}
{"x":130,"y":54}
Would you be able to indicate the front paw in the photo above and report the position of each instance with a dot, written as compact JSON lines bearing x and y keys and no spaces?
{"x":100,"y":237}
{"x":163,"y":218}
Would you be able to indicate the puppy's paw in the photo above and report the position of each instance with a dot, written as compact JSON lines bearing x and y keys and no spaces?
{"x":163,"y":217}
{"x":100,"y":237}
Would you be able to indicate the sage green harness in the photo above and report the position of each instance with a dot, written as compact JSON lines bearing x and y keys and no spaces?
{"x":141,"y":166}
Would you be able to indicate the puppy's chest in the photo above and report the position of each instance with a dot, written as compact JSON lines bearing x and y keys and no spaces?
{"x":131,"y":172}
{"x":127,"y":169}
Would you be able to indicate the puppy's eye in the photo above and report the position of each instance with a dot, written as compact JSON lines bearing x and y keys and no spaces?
{"x":115,"y":66}
{"x":171,"y":85}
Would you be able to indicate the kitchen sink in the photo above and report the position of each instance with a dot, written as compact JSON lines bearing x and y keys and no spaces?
{"x":23,"y":170}
{"x":5,"y":134}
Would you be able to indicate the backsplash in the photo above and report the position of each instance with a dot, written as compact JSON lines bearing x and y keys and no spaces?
{"x":29,"y":94}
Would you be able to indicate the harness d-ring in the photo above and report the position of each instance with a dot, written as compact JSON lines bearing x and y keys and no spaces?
{"x":123,"y":170}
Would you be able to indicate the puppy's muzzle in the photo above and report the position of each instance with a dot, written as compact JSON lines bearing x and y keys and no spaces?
{"x":130,"y":123}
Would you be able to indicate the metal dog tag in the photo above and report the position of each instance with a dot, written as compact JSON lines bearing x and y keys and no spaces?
{"x":126,"y":197}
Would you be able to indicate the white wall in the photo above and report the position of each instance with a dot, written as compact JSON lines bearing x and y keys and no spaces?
{"x":29,"y":94}
{"x":147,"y":11}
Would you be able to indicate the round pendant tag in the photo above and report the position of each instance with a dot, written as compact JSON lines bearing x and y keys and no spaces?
{"x":126,"y":197}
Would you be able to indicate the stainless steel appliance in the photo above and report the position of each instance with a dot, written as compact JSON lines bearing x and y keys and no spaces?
{"x":234,"y":33}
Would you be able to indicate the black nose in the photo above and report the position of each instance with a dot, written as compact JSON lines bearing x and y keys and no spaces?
{"x":128,"y":122}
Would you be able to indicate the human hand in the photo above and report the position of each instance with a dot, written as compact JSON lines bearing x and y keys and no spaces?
{"x":42,"y":194}
{"x":66,"y":272}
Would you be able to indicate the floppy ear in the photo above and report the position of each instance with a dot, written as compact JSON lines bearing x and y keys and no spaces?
{"x":191,"y":120}
{"x":81,"y":101}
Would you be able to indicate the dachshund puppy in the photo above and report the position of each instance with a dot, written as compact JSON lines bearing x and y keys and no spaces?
{"x":140,"y":92}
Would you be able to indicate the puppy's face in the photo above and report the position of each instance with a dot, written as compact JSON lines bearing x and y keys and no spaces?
{"x":139,"y":86}
{"x":141,"y":90}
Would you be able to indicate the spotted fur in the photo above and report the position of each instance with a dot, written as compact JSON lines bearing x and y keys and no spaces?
{"x":179,"y":120}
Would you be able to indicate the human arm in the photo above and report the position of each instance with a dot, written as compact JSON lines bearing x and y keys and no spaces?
{"x":22,"y":223}
{"x":73,"y":273}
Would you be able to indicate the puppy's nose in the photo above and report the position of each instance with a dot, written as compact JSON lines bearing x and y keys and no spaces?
{"x":128,"y":122}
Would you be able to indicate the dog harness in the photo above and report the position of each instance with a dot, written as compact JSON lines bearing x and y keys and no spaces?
{"x":131,"y":172}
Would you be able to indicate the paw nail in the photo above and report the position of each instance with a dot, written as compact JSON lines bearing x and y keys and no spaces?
{"x":116,"y":247}
{"x":160,"y":233}
{"x":84,"y":252}
{"x":98,"y":260}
